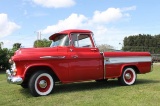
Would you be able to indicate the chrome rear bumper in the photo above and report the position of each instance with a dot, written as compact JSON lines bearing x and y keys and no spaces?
{"x":13,"y":79}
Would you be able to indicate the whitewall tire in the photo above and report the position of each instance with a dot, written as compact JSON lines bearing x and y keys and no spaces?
{"x":128,"y":76}
{"x":41,"y":84}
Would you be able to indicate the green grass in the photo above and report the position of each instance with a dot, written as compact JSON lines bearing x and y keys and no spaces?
{"x":146,"y":92}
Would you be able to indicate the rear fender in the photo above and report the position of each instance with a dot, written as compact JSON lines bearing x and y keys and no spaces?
{"x":128,"y":65}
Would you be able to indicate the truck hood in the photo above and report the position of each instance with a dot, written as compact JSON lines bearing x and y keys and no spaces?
{"x":34,"y":53}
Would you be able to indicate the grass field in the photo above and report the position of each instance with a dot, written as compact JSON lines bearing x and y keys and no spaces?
{"x":146,"y":92}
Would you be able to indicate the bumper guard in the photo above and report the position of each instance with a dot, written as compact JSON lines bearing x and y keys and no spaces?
{"x":13,"y":79}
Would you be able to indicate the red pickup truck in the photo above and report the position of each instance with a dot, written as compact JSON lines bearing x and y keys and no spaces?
{"x":72,"y":57}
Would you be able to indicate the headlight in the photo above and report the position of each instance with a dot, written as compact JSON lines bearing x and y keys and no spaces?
{"x":13,"y":69}
{"x":14,"y":72}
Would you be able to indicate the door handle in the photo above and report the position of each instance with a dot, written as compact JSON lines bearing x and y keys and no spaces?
{"x":75,"y":56}
{"x":93,"y":49}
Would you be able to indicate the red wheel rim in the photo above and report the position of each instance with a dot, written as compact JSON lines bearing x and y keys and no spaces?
{"x":43,"y":84}
{"x":128,"y":76}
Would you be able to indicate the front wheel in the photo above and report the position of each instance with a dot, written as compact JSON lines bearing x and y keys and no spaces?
{"x":128,"y":76}
{"x":41,"y":83}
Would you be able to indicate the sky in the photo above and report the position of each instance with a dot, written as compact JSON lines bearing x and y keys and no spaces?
{"x":109,"y":20}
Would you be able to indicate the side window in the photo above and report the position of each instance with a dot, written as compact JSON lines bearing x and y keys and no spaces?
{"x":81,"y":40}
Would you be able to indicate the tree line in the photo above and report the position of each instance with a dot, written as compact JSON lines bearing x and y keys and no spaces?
{"x":142,"y":42}
{"x":5,"y":55}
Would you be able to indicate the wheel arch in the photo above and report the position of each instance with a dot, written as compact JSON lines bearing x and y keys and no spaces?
{"x":33,"y":69}
{"x":131,"y":66}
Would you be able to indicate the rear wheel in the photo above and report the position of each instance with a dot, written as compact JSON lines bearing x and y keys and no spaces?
{"x":41,"y":83}
{"x":128,"y":76}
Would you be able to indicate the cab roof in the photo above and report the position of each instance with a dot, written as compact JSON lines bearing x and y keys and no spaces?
{"x":69,"y":31}
{"x":76,"y":31}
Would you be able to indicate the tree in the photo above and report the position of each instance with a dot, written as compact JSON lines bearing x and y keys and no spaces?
{"x":1,"y":44}
{"x":145,"y":42}
{"x":16,"y":46}
{"x":105,"y":47}
{"x":4,"y":57}
{"x":42,"y":43}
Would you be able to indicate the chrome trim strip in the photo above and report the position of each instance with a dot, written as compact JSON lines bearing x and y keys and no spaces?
{"x":52,"y":57}
{"x":130,"y":59}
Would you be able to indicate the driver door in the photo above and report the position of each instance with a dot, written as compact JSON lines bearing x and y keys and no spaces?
{"x":85,"y":60}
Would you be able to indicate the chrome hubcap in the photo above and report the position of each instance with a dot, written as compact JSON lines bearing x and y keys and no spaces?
{"x":128,"y":76}
{"x":42,"y":83}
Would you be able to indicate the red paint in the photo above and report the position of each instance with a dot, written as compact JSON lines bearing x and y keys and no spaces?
{"x":78,"y":64}
{"x":43,"y":89}
{"x":127,"y":54}
{"x":129,"y":72}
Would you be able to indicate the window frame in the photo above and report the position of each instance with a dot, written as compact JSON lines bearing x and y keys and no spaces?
{"x":90,"y":36}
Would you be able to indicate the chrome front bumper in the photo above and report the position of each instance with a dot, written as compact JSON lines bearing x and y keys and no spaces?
{"x":13,"y":79}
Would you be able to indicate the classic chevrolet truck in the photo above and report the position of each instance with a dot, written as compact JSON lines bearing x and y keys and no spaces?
{"x":73,"y":57}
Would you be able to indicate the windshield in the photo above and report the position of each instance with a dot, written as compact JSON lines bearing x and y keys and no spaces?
{"x":60,"y":40}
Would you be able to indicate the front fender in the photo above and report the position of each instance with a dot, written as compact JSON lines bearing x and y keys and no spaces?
{"x":57,"y":70}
